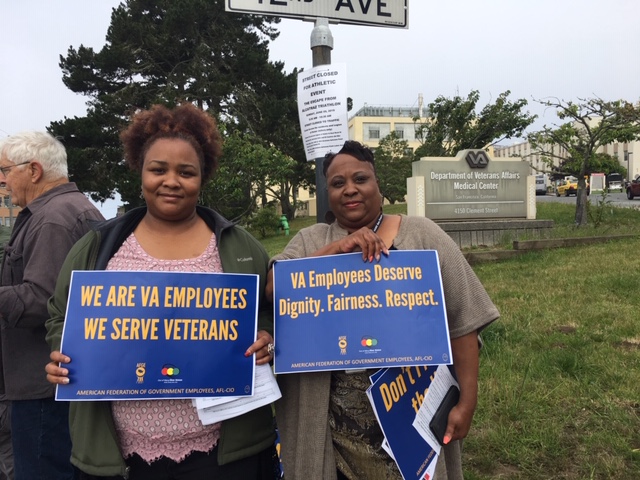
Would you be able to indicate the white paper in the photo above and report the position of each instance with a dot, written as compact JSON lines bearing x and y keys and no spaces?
{"x":217,"y":409}
{"x":437,"y":390}
{"x":322,"y":109}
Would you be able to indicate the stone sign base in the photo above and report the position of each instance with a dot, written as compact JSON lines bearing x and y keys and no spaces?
{"x":487,"y":233}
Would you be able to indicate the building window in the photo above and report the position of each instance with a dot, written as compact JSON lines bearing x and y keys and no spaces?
{"x":375,"y":131}
{"x":400,"y":133}
{"x":7,"y":201}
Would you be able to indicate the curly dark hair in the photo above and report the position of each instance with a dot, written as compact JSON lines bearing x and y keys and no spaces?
{"x":186,"y":122}
{"x":353,"y":148}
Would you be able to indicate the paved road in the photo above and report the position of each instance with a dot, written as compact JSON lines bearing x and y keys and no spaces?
{"x":616,"y":199}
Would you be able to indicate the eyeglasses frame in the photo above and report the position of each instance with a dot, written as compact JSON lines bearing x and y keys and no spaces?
{"x":4,"y":169}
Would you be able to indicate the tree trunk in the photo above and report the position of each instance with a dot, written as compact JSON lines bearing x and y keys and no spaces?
{"x":581,"y":203}
{"x":287,"y":207}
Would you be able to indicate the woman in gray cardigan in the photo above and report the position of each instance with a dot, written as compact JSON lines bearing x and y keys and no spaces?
{"x":327,"y":426}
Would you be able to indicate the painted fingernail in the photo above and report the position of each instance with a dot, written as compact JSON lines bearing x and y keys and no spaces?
{"x":371,"y":258}
{"x":447,"y":439}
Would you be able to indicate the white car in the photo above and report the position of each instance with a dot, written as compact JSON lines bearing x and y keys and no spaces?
{"x":541,"y":184}
{"x":615,"y":182}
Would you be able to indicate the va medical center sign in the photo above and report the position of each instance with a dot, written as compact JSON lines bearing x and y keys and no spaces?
{"x":471,"y":185}
{"x":382,"y":13}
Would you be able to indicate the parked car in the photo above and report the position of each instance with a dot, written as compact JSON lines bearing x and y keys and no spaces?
{"x":541,"y":184}
{"x":615,"y":182}
{"x":568,"y":187}
{"x":633,"y":188}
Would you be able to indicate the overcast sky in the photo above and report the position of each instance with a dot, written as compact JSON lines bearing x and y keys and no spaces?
{"x":568,"y":49}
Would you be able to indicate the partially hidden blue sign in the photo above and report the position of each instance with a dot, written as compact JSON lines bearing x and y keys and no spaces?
{"x":138,"y":334}
{"x":338,"y":312}
{"x":396,"y":395}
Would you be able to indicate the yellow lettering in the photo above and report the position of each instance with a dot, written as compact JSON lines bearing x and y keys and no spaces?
{"x":213,"y":331}
{"x":297,"y":280}
{"x":392,"y":393}
{"x":115,"y":324}
{"x":91,"y":295}
{"x":94,"y":327}
{"x":150,"y":296}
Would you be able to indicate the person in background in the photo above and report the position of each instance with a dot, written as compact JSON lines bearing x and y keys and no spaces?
{"x":176,"y":152}
{"x":327,"y":426}
{"x":6,"y":451}
{"x":54,"y":215}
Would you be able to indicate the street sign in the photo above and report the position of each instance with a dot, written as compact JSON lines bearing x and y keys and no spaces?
{"x":380,"y":13}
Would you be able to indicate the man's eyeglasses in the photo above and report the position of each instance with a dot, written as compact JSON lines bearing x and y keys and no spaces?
{"x":5,"y":170}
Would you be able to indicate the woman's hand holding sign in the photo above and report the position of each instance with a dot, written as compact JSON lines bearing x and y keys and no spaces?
{"x":56,"y":373}
{"x":262,"y":347}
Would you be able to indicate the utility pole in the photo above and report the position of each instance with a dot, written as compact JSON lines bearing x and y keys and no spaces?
{"x":321,"y":46}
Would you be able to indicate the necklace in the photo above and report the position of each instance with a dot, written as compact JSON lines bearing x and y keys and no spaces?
{"x":378,"y":223}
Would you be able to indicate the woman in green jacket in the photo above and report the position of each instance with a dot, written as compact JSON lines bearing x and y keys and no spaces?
{"x":176,"y":152}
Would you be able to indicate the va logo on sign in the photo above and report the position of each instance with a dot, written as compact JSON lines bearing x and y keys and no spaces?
{"x":477,"y":158}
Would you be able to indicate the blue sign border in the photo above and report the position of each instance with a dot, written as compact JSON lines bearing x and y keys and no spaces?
{"x":198,"y":354}
{"x":338,"y":312}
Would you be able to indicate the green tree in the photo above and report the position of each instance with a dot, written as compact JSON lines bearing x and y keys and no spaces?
{"x":267,"y":110}
{"x":157,"y":51}
{"x":590,"y":124}
{"x":393,"y":166}
{"x":605,"y":163}
{"x":265,"y":221}
{"x":249,"y":175}
{"x":453,"y":124}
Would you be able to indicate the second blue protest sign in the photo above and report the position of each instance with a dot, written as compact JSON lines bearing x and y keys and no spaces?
{"x":338,"y":312}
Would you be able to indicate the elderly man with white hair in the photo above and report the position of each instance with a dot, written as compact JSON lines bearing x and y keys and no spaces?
{"x":54,"y":215}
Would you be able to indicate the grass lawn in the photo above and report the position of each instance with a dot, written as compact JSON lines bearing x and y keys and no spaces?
{"x":559,"y":392}
{"x":559,"y":381}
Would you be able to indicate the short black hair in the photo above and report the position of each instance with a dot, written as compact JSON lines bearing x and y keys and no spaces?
{"x":353,"y":148}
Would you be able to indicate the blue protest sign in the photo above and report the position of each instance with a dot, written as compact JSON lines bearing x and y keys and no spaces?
{"x":396,"y":395}
{"x":133,"y":335}
{"x":338,"y":312}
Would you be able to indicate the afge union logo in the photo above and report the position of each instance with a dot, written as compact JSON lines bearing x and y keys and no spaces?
{"x":141,"y":369}
{"x":342,"y":343}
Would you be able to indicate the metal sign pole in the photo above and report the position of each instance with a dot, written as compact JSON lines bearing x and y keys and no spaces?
{"x":321,"y":46}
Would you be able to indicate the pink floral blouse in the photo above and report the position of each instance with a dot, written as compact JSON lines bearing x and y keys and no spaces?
{"x":170,"y":427}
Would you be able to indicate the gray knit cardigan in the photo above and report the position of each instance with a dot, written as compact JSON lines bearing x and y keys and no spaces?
{"x":302,"y":413}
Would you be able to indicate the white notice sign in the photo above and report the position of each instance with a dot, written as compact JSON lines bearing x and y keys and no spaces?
{"x":322,"y":108}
